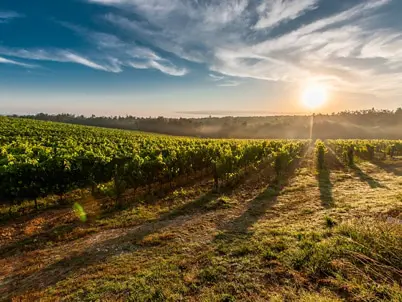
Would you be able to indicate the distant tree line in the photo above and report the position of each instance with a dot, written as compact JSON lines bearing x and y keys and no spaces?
{"x":370,"y":123}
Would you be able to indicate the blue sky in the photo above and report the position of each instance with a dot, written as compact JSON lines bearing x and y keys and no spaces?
{"x":160,"y":57}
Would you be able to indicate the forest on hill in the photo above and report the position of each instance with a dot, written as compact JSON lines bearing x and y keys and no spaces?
{"x":363,"y":124}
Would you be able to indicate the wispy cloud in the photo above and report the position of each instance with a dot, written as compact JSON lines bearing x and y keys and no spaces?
{"x":168,"y":69}
{"x":341,"y":46}
{"x":126,"y":53}
{"x":223,"y":81}
{"x":109,"y":54}
{"x":215,"y":77}
{"x":12,"y":62}
{"x":57,"y":55}
{"x":346,"y":44}
{"x":159,"y":65}
{"x":74,"y":58}
{"x":145,"y":58}
{"x":274,"y":12}
{"x":6,"y":16}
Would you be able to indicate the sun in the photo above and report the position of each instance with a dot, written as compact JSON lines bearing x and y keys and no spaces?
{"x":314,"y":95}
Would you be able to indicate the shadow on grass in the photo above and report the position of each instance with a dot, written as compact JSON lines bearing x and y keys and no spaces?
{"x":332,"y":161}
{"x":325,"y":185}
{"x":264,"y":201}
{"x":367,"y":178}
{"x":61,"y":232}
{"x":40,"y":240}
{"x":256,"y":209}
{"x":124,"y":242}
{"x":395,"y":168}
{"x":101,"y":251}
{"x":26,"y":213}
{"x":128,"y":242}
{"x":26,"y":210}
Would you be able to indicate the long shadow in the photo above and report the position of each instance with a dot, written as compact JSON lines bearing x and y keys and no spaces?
{"x":30,"y":213}
{"x":390,"y":168}
{"x":39,"y":240}
{"x":367,"y":178}
{"x":332,"y":162}
{"x":101,"y":251}
{"x":263,"y":202}
{"x":256,"y":209}
{"x":373,"y":183}
{"x":129,"y":242}
{"x":325,"y":185}
{"x":157,"y":191}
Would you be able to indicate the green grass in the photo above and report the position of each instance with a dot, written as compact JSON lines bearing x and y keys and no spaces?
{"x":260,"y":241}
{"x":350,"y":261}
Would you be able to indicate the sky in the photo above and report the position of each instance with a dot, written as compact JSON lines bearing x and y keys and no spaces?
{"x":185,"y":57}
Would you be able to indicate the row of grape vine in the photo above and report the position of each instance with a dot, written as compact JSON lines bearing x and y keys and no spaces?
{"x":41,"y":158}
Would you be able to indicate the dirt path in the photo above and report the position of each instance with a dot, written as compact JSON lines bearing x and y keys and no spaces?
{"x":46,"y":266}
{"x":179,"y":248}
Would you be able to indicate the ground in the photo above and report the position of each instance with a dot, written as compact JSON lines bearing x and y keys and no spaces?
{"x":312,"y":236}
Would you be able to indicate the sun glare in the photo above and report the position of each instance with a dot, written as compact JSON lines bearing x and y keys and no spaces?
{"x":314,"y":95}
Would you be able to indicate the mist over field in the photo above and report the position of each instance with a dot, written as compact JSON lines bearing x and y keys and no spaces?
{"x":201,"y":150}
{"x":362,"y":124}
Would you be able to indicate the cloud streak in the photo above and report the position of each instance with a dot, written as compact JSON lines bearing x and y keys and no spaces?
{"x":12,"y":62}
{"x":223,"y":81}
{"x":126,"y":54}
{"x":57,"y":55}
{"x":272,"y":13}
{"x":349,"y":45}
{"x":245,"y":39}
{"x":7,"y":16}
{"x":109,"y":54}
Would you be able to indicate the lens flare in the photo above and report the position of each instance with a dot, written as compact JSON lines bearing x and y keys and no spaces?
{"x":80,"y":212}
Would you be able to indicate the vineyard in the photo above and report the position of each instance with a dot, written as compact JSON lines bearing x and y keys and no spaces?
{"x":39,"y":158}
{"x":366,"y":149}
{"x":190,"y":219}
{"x":348,"y":150}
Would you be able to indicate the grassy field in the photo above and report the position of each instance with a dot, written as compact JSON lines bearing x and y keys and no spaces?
{"x":312,"y":236}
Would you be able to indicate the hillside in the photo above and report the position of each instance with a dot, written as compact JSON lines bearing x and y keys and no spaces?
{"x":354,"y":124}
{"x":236,"y":220}
{"x":322,"y":239}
